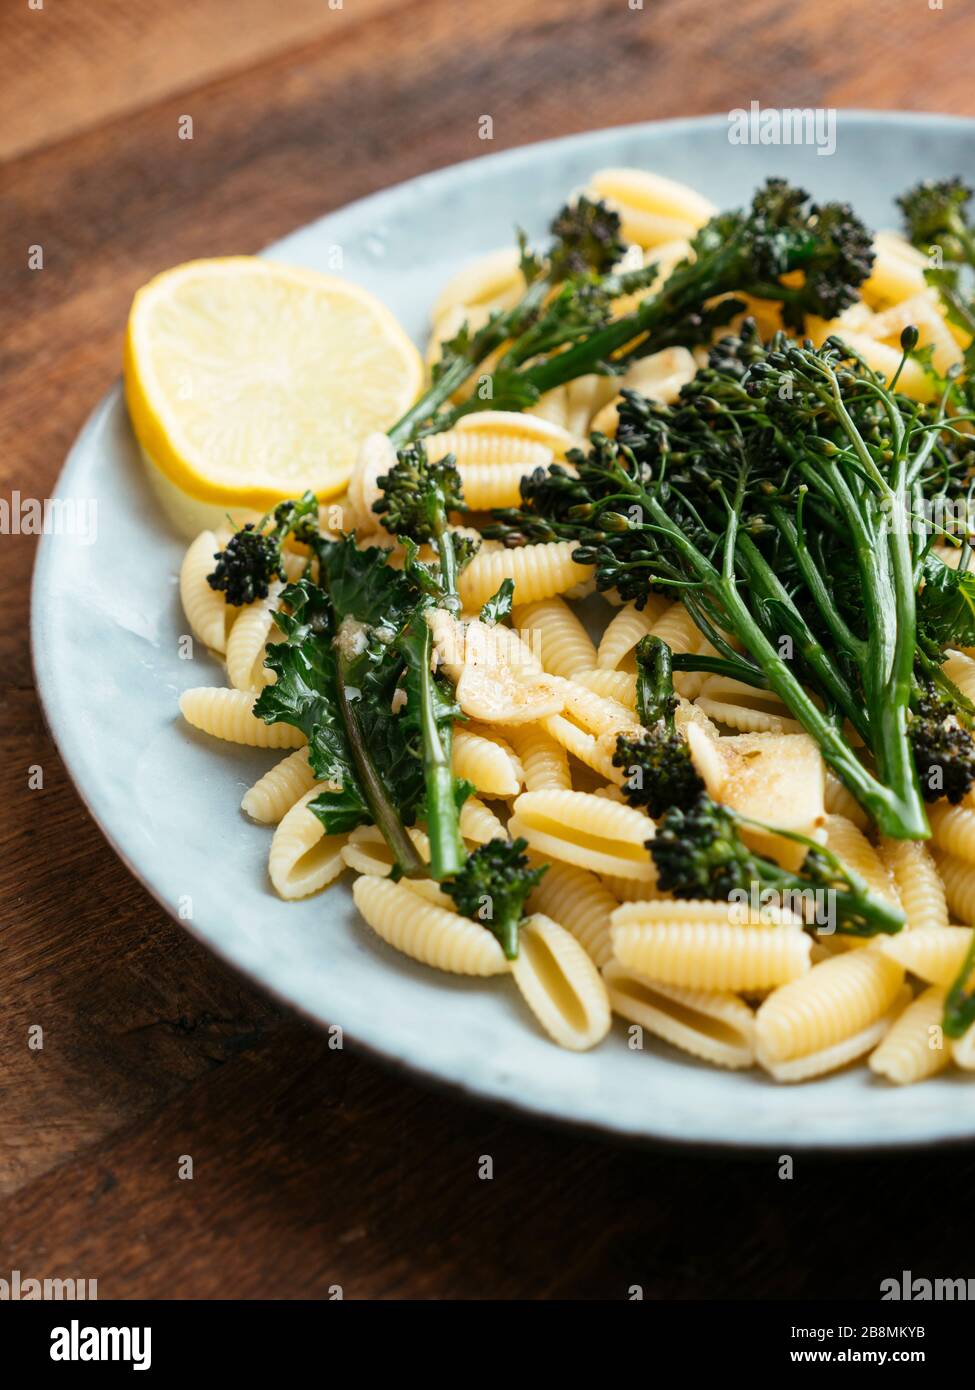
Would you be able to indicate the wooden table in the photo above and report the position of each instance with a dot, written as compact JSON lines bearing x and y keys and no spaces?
{"x":312,"y":1167}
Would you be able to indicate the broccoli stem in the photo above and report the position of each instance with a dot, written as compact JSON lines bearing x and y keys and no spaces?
{"x":447,"y":850}
{"x":497,"y":329}
{"x":384,"y":813}
{"x":892,"y":814}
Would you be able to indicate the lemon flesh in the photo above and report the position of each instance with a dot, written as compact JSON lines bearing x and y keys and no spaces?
{"x":248,"y":382}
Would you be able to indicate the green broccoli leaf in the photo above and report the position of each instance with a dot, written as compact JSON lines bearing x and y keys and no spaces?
{"x":946,"y":605}
{"x":500,"y":603}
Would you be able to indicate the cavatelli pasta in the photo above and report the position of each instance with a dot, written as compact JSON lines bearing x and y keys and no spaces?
{"x":543,"y":760}
{"x":836,"y":1000}
{"x":953,"y":829}
{"x":576,"y":899}
{"x":478,"y":823}
{"x":747,"y":720}
{"x":961,"y":670}
{"x":626,"y":628}
{"x":839,"y":1054}
{"x":958,"y":877}
{"x":653,"y":209}
{"x":430,"y":934}
{"x":699,"y":946}
{"x":584,"y":746}
{"x":228,"y":714}
{"x":560,"y":984}
{"x":716,"y":1025}
{"x":841,"y":802}
{"x":555,"y":634}
{"x":917,"y":881}
{"x":488,"y":485}
{"x":579,"y":828}
{"x":914,"y":1046}
{"x":367,"y":852}
{"x":302,"y":858}
{"x":246,"y":643}
{"x":492,"y":279}
{"x":615,"y":685}
{"x":489,"y":763}
{"x":963,"y":1050}
{"x":598,"y":714}
{"x":853,"y":849}
{"x":276,"y":792}
{"x":933,"y":954}
{"x":205,"y":608}
{"x":538,"y":571}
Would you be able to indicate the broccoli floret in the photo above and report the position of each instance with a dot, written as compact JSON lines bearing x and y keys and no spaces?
{"x":935,"y":213}
{"x":492,"y":888}
{"x":417,"y":497}
{"x":418,"y":494}
{"x":657,"y":761}
{"x":944,"y":750}
{"x":253,"y":558}
{"x":699,"y":853}
{"x":587,"y":238}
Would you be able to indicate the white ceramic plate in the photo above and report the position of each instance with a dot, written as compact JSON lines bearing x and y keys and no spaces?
{"x":106,"y":620}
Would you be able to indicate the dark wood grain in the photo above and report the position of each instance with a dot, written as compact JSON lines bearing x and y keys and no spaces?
{"x":313,"y":1167}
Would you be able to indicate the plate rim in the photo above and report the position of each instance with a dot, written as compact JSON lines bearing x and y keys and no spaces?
{"x":43,"y":667}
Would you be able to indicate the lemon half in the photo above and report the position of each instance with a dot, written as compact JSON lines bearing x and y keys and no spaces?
{"x":248,"y":382}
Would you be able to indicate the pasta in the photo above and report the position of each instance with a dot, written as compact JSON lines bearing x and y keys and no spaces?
{"x":245,"y":645}
{"x":713,"y":1025}
{"x":576,"y":898}
{"x":205,"y":608}
{"x":428,"y":933}
{"x":228,"y":714}
{"x":579,"y":828}
{"x":538,"y":571}
{"x":554,"y":632}
{"x":625,"y":631}
{"x":277,"y":791}
{"x":489,"y":763}
{"x":561,"y":985}
{"x":303,"y":859}
{"x":914,"y":1046}
{"x":836,"y":1001}
{"x":697,"y":946}
{"x":529,"y":691}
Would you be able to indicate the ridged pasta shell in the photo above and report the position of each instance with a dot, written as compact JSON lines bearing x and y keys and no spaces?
{"x":303,"y":859}
{"x":554,"y":632}
{"x":615,"y":685}
{"x":584,"y":746}
{"x":205,"y":608}
{"x":560,"y":984}
{"x":367,"y":852}
{"x":837,"y":999}
{"x":918,"y":883}
{"x":428,"y":933}
{"x":576,"y":899}
{"x":246,"y":643}
{"x":953,"y":829}
{"x":715,"y":1026}
{"x":586,"y":830}
{"x":490,"y":764}
{"x":914,"y":1047}
{"x":703,"y":953}
{"x":276,"y":792}
{"x":543,"y":760}
{"x":838,"y":1054}
{"x":934,"y":954}
{"x":626,"y":628}
{"x":538,"y":571}
{"x":228,"y":714}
